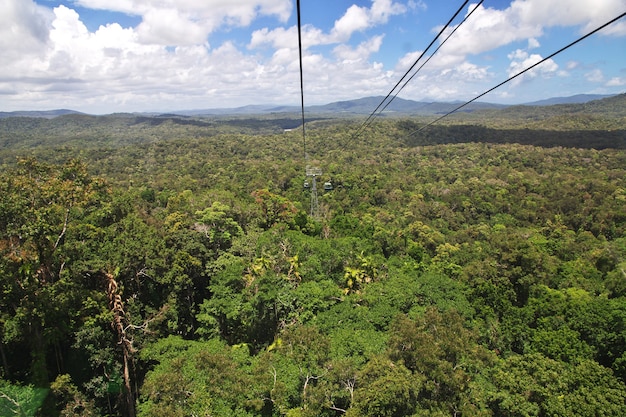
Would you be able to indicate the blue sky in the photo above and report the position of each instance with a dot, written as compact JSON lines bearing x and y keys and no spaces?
{"x":104,"y":56}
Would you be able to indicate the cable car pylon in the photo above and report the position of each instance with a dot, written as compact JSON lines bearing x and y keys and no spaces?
{"x":313,"y":173}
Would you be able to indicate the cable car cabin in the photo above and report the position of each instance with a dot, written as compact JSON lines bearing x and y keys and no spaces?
{"x":306,"y":185}
{"x":328,"y":186}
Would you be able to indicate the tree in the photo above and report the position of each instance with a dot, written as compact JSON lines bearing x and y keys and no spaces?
{"x":198,"y":378}
{"x":295,"y":369}
{"x":217,"y":226}
{"x":20,"y":401}
{"x":441,"y":351}
{"x":71,"y":401}
{"x":385,"y":389}
{"x":39,"y":207}
{"x":274,"y":208}
{"x":533,"y":385}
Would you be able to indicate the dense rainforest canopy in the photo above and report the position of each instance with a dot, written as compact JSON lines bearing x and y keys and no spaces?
{"x":171,"y":266}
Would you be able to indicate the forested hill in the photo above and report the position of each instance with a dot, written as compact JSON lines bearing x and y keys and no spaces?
{"x":595,"y":124}
{"x":608,"y":113}
{"x":173,"y":267}
{"x":81,"y":131}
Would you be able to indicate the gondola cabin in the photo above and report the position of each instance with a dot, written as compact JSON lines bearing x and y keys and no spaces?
{"x":328,"y":186}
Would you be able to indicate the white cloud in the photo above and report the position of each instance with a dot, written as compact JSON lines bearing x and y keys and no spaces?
{"x":361,"y":53}
{"x":131,"y":67}
{"x":595,"y":76}
{"x":572,"y":65}
{"x":24,"y":29}
{"x":616,"y":29}
{"x":170,"y":27}
{"x":446,"y":77}
{"x":111,"y":52}
{"x":588,"y":14}
{"x":405,"y":62}
{"x":616,"y":82}
{"x":527,"y":20}
{"x":356,"y":18}
{"x":417,"y":5}
{"x":470,"y":72}
{"x":533,"y":43}
{"x":114,"y":69}
{"x":359,"y":18}
{"x":188,"y":22}
{"x":52,"y":59}
{"x":487,"y":29}
{"x":521,"y":60}
{"x":286,"y":38}
{"x":382,"y":10}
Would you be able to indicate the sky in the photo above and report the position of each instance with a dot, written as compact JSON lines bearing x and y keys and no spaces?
{"x":106,"y":56}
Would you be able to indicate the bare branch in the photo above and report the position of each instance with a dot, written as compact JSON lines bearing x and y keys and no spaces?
{"x":341,"y":410}
{"x":15,"y":403}
{"x":67,"y":218}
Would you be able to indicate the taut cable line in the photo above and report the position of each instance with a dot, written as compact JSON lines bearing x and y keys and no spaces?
{"x":301,"y":79}
{"x":310,"y":172}
{"x":522,"y":72}
{"x":370,"y":117}
{"x":433,"y":54}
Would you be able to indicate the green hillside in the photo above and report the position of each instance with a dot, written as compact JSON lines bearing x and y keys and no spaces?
{"x":605,"y":114}
{"x":171,"y":266}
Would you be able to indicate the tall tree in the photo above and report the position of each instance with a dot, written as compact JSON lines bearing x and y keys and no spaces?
{"x":39,"y":205}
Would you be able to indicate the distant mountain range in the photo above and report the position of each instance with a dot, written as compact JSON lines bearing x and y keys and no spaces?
{"x":577,"y":99}
{"x":47,"y":114}
{"x":350,"y":107}
{"x":359,"y":106}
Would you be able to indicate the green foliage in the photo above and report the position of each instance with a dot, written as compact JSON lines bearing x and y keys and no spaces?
{"x":20,"y":401}
{"x":218,"y":228}
{"x":438,"y":349}
{"x":40,"y":206}
{"x":457,"y":272}
{"x":193,"y":378}
{"x":70,"y":400}
{"x":274,"y":208}
{"x":387,"y":389}
{"x":534,"y":385}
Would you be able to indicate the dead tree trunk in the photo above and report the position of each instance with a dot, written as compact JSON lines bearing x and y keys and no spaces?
{"x":119,"y":326}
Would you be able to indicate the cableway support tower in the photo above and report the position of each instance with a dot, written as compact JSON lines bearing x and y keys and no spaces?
{"x":313,"y":173}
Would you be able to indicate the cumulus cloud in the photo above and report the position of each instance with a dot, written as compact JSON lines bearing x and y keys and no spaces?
{"x":521,"y":60}
{"x":533,"y":43}
{"x":24,"y":28}
{"x":588,"y":14}
{"x":115,"y":68}
{"x":359,"y":18}
{"x":361,"y":53}
{"x":173,"y":58}
{"x":356,"y":18}
{"x":526,"y":20}
{"x":595,"y":76}
{"x":440,"y":82}
{"x":616,"y":82}
{"x":187,"y":22}
{"x":488,"y":29}
{"x":285,"y":37}
{"x":171,"y":27}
